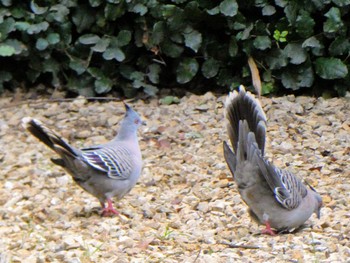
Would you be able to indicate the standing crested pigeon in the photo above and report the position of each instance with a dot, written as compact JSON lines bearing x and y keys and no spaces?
{"x":275,"y":197}
{"x":105,"y":170}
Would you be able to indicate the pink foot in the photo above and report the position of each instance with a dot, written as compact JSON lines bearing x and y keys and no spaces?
{"x":268,"y":230}
{"x":109,"y":210}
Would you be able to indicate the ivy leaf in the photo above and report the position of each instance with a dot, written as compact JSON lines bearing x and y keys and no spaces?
{"x":334,"y":22}
{"x":296,"y":53}
{"x":210,"y":68}
{"x":89,"y":39}
{"x":340,"y":46}
{"x":262,"y":42}
{"x":103,"y":85}
{"x":37,"y":28}
{"x":37,"y":9}
{"x":276,"y":59}
{"x":304,"y":24}
{"x":6,"y":50}
{"x":186,"y":70}
{"x":53,"y":38}
{"x":171,"y":49}
{"x":228,"y":8}
{"x":268,"y":10}
{"x":101,"y":45}
{"x":123,"y":38}
{"x":83,"y":18}
{"x":140,"y":9}
{"x":114,"y":53}
{"x":315,"y":45}
{"x":233,"y":47}
{"x":341,"y":2}
{"x":41,"y":44}
{"x":298,"y":76}
{"x":330,"y":68}
{"x":153,"y":74}
{"x":193,"y":39}
{"x":78,"y":65}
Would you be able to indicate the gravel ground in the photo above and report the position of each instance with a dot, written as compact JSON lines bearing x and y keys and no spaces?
{"x":185,"y":207}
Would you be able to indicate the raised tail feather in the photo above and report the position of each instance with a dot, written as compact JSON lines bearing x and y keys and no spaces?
{"x":241,"y":107}
{"x":48,"y":137}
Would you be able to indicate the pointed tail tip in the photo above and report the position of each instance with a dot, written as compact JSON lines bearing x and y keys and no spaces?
{"x":26,"y":121}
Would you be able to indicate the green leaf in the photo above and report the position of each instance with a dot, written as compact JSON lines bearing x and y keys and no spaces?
{"x":340,"y":46}
{"x":53,"y":38}
{"x":214,"y":11}
{"x":17,"y":45}
{"x":193,"y":39}
{"x":78,"y":65}
{"x":6,"y":50}
{"x":37,"y":9}
{"x":296,"y":53}
{"x":114,"y":53}
{"x":276,"y":59}
{"x":150,"y":90}
{"x":186,"y":70}
{"x":37,"y":28}
{"x":168,"y":100}
{"x":22,"y":26}
{"x":103,"y":85}
{"x":341,"y":2}
{"x":95,"y":3}
{"x":330,"y":68}
{"x":304,"y":24}
{"x":262,"y":42}
{"x":101,"y":45}
{"x":89,"y":39}
{"x":233,"y":47}
{"x":41,"y":44}
{"x":228,"y":8}
{"x":158,"y":32}
{"x":112,"y":12}
{"x":298,"y":76}
{"x":334,"y":22}
{"x":153,"y":74}
{"x":83,"y":18}
{"x":59,"y":13}
{"x":171,"y":49}
{"x":210,"y":68}
{"x":268,"y":10}
{"x":123,"y":38}
{"x":315,"y":45}
{"x":7,"y":26}
{"x":140,"y":9}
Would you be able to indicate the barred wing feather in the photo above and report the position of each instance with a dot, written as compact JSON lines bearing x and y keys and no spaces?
{"x":287,"y":188}
{"x":116,"y":161}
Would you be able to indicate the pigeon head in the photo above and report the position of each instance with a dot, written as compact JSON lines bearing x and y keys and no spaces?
{"x":132,"y":117}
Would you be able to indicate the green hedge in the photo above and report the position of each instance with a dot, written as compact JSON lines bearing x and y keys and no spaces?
{"x":91,"y":47}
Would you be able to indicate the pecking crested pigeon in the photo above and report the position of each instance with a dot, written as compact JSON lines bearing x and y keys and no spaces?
{"x":275,"y":197}
{"x":105,"y":171}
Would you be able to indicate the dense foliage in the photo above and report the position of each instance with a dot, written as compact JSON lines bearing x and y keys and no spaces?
{"x":95,"y":46}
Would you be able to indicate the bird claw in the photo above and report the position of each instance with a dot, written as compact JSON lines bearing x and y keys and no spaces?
{"x":109,"y":210}
{"x":268,"y":230}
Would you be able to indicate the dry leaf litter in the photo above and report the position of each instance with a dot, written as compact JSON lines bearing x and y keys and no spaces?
{"x":185,"y":207}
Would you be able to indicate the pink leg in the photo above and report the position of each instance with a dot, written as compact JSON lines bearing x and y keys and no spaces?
{"x":109,"y":210}
{"x":268,"y":230}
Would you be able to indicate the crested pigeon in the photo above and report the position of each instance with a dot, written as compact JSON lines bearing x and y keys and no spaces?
{"x":275,"y":197}
{"x":105,"y":171}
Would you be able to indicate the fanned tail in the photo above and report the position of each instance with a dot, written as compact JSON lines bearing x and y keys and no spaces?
{"x":48,"y":137}
{"x":240,"y":106}
{"x":246,"y":127}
